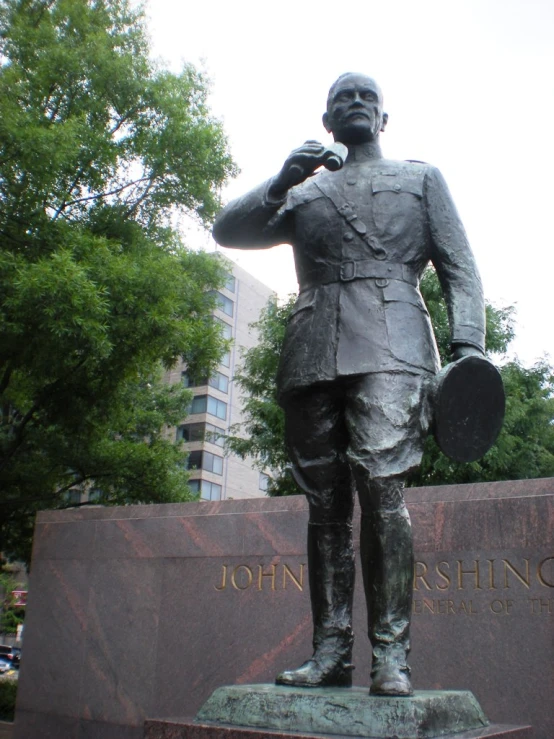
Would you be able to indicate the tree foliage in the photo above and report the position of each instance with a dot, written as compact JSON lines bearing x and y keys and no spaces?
{"x":98,"y":150}
{"x":11,"y":615}
{"x":524,"y":449}
{"x":525,"y":446}
{"x":262,"y":435}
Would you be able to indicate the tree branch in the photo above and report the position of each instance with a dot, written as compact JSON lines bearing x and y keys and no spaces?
{"x":123,"y":119}
{"x":20,"y":502}
{"x":6,"y":379}
{"x":100,"y":195}
{"x":18,"y":440}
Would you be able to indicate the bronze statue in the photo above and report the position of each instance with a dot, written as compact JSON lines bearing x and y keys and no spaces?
{"x":358,"y":355}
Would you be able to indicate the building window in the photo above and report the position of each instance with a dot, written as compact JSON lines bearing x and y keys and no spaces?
{"x":212,"y":463}
{"x":226,"y":359}
{"x":207,"y":404}
{"x":215,"y":435}
{"x":208,"y":490}
{"x":191,"y":432}
{"x":199,"y":404}
{"x":264,"y":482}
{"x":230,"y":283}
{"x":194,"y":485}
{"x":218,"y":380}
{"x":194,"y":462}
{"x":94,"y":495}
{"x":217,"y":408}
{"x":73,"y":497}
{"x":201,"y":432}
{"x":193,"y":381}
{"x":224,"y":303}
{"x":205,"y":461}
{"x":226,"y":329}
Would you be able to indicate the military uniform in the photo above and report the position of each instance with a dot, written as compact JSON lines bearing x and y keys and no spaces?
{"x":358,"y":349}
{"x":359,"y":309}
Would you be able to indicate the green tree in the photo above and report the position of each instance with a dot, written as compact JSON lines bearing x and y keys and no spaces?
{"x":525,"y":446}
{"x":11,"y":615}
{"x":524,"y":449}
{"x":262,"y":434}
{"x":99,"y":149}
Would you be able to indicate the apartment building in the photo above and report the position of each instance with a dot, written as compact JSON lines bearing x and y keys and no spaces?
{"x":217,"y":401}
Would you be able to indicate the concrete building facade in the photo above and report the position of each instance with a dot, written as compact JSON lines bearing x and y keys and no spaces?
{"x":217,"y":402}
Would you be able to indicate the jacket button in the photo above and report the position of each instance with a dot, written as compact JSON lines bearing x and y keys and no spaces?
{"x":348,"y":236}
{"x":397,"y":187}
{"x":381,"y":282}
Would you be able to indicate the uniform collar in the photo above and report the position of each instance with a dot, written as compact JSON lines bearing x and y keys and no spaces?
{"x":364,"y":152}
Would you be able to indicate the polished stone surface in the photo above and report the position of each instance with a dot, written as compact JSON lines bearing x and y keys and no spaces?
{"x":348,"y":711}
{"x":146,"y":610}
{"x":187,"y":729}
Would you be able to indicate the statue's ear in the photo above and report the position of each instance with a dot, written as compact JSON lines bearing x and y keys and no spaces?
{"x":325,"y":120}
{"x":385,"y":121}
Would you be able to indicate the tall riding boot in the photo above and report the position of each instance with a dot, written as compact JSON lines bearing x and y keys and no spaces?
{"x":331,"y":577}
{"x":387,"y":565}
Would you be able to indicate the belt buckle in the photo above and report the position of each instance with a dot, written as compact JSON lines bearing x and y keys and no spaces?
{"x":348,"y":271}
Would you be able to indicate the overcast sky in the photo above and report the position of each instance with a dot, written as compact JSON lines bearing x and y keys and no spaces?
{"x":468,"y":86}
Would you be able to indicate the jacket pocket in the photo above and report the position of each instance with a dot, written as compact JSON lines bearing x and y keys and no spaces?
{"x":304,"y":302}
{"x":397,"y":185}
{"x":403,"y":292}
{"x":409,"y":331}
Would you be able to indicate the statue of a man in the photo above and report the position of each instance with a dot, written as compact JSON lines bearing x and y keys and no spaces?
{"x":358,"y":353}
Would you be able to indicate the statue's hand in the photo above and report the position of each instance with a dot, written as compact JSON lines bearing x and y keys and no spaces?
{"x":299,"y":165}
{"x":465,"y":350}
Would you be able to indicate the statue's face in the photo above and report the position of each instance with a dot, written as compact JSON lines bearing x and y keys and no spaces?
{"x":355,"y":110}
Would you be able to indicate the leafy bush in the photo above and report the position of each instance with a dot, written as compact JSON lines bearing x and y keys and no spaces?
{"x":8,"y":692}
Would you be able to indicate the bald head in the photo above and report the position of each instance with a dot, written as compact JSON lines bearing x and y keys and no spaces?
{"x":344,"y":79}
{"x":355,"y":109}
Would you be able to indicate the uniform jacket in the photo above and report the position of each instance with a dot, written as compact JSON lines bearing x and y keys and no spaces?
{"x":362,"y":237}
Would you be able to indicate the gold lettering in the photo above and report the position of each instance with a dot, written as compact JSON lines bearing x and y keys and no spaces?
{"x":497,"y":606}
{"x":430,"y":608}
{"x":223,"y":579}
{"x":540,"y":605}
{"x":249,"y":576}
{"x":524,"y":580}
{"x":445,"y":576}
{"x":462,"y":572}
{"x":540,"y":574}
{"x":420,"y":575}
{"x":492,"y":586}
{"x":298,"y":582}
{"x":448,"y":606}
{"x":262,"y":574}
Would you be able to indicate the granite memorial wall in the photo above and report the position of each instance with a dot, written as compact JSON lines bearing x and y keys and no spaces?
{"x":143,"y":611}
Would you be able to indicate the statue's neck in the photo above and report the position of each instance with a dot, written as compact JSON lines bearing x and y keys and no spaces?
{"x":363,"y":152}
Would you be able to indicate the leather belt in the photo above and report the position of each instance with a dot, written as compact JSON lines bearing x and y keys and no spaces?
{"x":362,"y":269}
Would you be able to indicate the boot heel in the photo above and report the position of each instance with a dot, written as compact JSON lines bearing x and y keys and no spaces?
{"x":313,"y":674}
{"x":344,"y":680}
